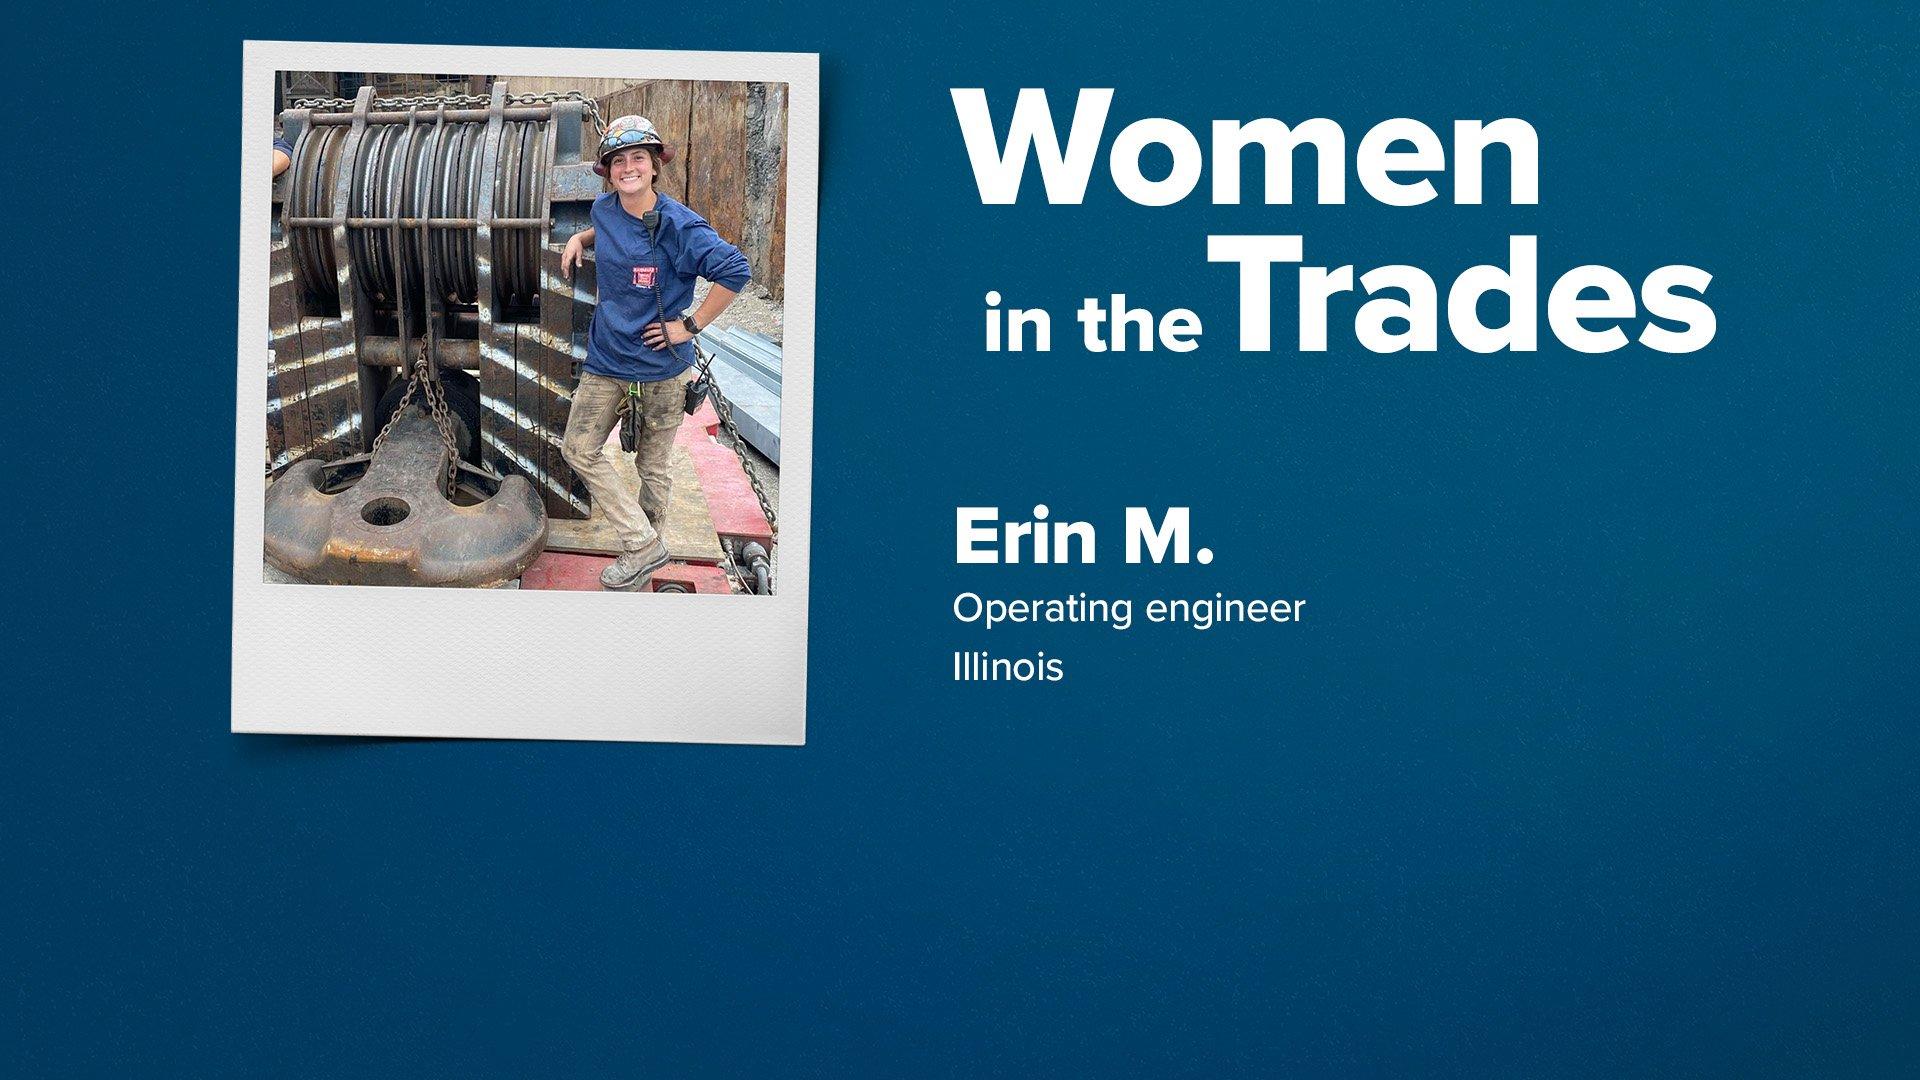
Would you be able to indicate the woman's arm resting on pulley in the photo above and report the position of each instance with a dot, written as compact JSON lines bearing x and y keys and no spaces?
{"x":576,"y":251}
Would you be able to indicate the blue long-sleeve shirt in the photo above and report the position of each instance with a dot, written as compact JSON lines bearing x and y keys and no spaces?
{"x":632,"y":266}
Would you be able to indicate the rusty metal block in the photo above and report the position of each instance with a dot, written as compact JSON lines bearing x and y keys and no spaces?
{"x":394,"y":526}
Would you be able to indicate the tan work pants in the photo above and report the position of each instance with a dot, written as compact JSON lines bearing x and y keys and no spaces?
{"x":596,"y":409}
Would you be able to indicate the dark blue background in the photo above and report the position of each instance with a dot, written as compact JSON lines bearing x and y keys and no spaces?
{"x":1595,"y":757}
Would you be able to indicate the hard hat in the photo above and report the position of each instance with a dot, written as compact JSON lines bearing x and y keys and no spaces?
{"x":629,"y":131}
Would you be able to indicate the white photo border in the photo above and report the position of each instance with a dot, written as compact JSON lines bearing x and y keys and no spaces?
{"x":520,"y":664}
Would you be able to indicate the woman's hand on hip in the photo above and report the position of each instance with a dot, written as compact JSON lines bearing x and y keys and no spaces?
{"x":659,"y":336}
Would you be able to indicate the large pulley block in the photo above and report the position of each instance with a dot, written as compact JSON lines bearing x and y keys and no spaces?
{"x":395,"y":525}
{"x":435,"y":223}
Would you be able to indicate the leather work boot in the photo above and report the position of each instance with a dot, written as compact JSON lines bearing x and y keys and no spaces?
{"x":633,"y":568}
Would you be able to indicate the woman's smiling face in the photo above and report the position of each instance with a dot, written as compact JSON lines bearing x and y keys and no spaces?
{"x":631,"y":170}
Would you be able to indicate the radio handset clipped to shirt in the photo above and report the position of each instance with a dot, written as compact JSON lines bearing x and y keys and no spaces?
{"x":698,"y":387}
{"x":696,"y":390}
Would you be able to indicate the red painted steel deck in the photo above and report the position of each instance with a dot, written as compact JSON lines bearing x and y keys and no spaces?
{"x":730,"y":499}
{"x":735,"y":510}
{"x":563,"y":572}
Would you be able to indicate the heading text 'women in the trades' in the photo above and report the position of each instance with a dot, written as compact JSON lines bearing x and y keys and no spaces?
{"x":1585,"y":305}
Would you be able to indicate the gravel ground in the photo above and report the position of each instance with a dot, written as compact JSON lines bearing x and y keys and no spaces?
{"x":753,"y":310}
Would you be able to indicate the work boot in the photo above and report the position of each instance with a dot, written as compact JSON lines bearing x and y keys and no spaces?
{"x":633,"y":568}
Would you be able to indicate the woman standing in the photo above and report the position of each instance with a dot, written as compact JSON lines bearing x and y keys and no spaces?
{"x":649,"y":249}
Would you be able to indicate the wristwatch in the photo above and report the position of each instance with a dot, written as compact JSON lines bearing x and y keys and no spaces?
{"x":692,"y":327}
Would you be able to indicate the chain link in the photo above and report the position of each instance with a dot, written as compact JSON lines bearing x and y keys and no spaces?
{"x":426,"y":377}
{"x":406,"y":396}
{"x":465,"y":101}
{"x":724,"y":409}
{"x":442,"y":418}
{"x":557,"y":96}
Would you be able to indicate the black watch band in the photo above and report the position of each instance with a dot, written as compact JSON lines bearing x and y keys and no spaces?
{"x":692,"y":327}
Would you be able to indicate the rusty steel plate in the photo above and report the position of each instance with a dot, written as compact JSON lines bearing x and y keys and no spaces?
{"x":394,"y":526}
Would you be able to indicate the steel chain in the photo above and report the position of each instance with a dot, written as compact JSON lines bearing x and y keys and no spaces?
{"x":724,"y":409}
{"x":426,"y":377}
{"x":442,"y":418}
{"x":406,"y":396}
{"x":467,"y":101}
{"x":556,"y":96}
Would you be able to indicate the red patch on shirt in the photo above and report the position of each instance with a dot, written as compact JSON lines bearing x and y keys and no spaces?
{"x":643,"y":276}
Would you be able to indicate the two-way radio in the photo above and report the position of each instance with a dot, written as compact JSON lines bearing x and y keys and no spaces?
{"x":697,"y":389}
{"x":701,"y":383}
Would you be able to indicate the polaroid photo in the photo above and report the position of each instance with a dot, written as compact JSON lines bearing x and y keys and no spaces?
{"x":523,"y":444}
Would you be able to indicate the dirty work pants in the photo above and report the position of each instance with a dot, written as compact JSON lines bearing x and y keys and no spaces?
{"x":595,"y":411}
